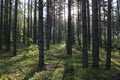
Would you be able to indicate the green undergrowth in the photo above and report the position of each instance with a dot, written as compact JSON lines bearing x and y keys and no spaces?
{"x":58,"y":66}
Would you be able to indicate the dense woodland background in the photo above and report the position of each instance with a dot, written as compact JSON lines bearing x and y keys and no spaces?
{"x":59,"y":40}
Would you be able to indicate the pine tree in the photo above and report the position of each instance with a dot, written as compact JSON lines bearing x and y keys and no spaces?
{"x":15,"y":27}
{"x":108,"y":59}
{"x":41,"y":36}
{"x":84,"y":36}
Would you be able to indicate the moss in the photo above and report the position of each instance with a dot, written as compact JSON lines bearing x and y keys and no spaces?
{"x":57,"y":65}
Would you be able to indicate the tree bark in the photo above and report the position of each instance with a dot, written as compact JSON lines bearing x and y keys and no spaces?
{"x":84,"y":36}
{"x":24,"y":29}
{"x":69,"y":33}
{"x":95,"y":38}
{"x":41,"y":36}
{"x":15,"y":27}
{"x":35,"y":16}
{"x":88,"y":25}
{"x":1,"y":24}
{"x":108,"y":55}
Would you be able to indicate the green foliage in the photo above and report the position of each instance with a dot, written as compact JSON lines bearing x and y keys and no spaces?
{"x":30,"y":40}
{"x":46,"y":75}
{"x":57,"y":65}
{"x":116,"y":43}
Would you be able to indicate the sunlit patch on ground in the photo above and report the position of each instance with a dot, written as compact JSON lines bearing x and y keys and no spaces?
{"x":57,"y":65}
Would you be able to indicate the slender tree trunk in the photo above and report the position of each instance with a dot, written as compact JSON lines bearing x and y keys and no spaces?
{"x":69,"y":35}
{"x":28,"y":20}
{"x":118,"y":21}
{"x":24,"y":29}
{"x":54,"y":24}
{"x":104,"y":25}
{"x":108,"y":55}
{"x":78,"y":24}
{"x":6,"y":27}
{"x":73,"y":26}
{"x":88,"y":25}
{"x":112,"y":26}
{"x":51,"y":20}
{"x":47,"y":30}
{"x":31,"y":25}
{"x":100,"y":27}
{"x":9,"y":22}
{"x":95,"y":38}
{"x":41,"y":36}
{"x":35,"y":16}
{"x":60,"y":25}
{"x":15,"y":27}
{"x":84,"y":36}
{"x":1,"y":24}
{"x":65,"y":26}
{"x":64,"y":21}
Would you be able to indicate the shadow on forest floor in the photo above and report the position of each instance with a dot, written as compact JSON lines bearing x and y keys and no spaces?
{"x":69,"y":69}
{"x":58,"y":66}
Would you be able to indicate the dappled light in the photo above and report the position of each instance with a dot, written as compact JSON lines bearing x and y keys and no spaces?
{"x":59,"y":39}
{"x":23,"y":66}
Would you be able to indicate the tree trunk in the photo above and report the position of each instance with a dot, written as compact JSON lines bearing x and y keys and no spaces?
{"x":78,"y":24}
{"x":84,"y":36}
{"x":35,"y":16}
{"x":54,"y":24}
{"x":24,"y":29}
{"x":6,"y":27}
{"x":60,"y":24}
{"x":104,"y":25}
{"x":69,"y":35}
{"x":1,"y":24}
{"x":31,"y":25}
{"x":41,"y":36}
{"x":88,"y":25}
{"x":118,"y":16}
{"x":100,"y":27}
{"x":15,"y":27}
{"x":95,"y":38}
{"x":108,"y":55}
{"x":28,"y":22}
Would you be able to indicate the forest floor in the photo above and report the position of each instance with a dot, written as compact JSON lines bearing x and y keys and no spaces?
{"x":57,"y":65}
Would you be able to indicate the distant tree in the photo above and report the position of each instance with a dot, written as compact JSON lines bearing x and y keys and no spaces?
{"x":47,"y":29}
{"x":79,"y":22}
{"x":118,"y":16}
{"x":59,"y":23}
{"x":6,"y":26}
{"x":54,"y":22}
{"x":65,"y":23}
{"x":99,"y":22}
{"x":24,"y":29}
{"x":31,"y":24}
{"x":35,"y":23}
{"x":105,"y":32}
{"x":9,"y":22}
{"x":41,"y":36}
{"x":14,"y":29}
{"x":73,"y":22}
{"x":108,"y":59}
{"x":88,"y":25}
{"x":28,"y":23}
{"x":1,"y":24}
